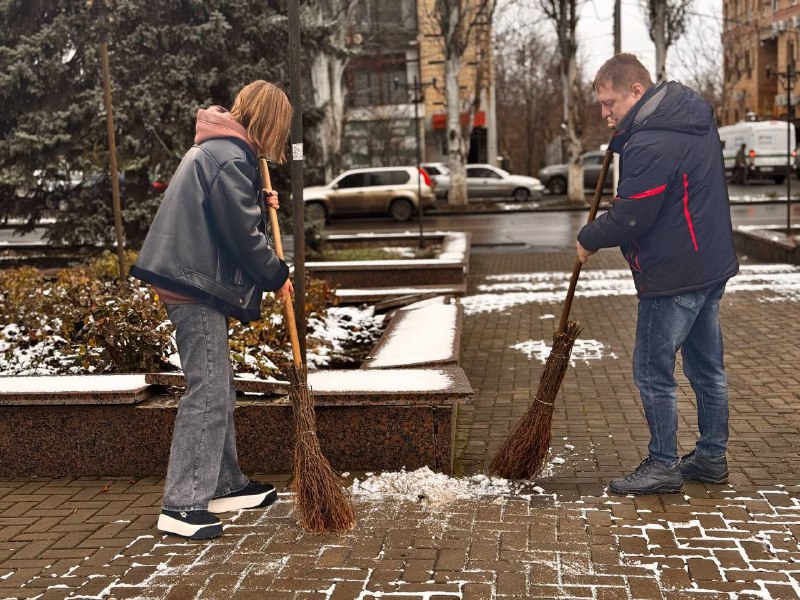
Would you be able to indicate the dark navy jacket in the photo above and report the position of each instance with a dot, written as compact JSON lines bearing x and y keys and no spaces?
{"x":671,"y":217}
{"x":206,"y":241}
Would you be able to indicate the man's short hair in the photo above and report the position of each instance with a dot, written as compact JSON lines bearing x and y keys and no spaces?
{"x":621,"y":72}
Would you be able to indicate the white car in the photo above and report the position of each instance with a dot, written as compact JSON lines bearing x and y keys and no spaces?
{"x":488,"y":181}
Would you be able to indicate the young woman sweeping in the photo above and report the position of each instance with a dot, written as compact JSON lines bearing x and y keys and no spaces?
{"x":208,"y":259}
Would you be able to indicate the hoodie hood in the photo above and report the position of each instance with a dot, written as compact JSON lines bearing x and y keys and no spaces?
{"x":669,"y":106}
{"x":216,"y":122}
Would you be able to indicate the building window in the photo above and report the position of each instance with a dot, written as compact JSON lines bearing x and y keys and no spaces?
{"x":383,"y":14}
{"x":380,"y":143}
{"x":774,"y":5}
{"x":371,"y":80}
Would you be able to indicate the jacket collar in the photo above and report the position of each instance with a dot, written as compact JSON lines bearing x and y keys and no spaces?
{"x":638,"y":114}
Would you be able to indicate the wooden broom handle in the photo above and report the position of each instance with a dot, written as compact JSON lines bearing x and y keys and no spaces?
{"x":288,"y":307}
{"x":576,"y":270}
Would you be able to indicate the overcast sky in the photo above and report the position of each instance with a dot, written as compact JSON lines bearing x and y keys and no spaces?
{"x":596,"y":27}
{"x":596,"y":31}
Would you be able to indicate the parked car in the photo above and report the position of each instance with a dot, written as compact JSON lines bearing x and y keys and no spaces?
{"x":440,"y":177}
{"x":488,"y":181}
{"x":388,"y":190}
{"x":554,"y":177}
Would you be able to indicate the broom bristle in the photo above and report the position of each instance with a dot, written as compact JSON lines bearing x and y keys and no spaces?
{"x":524,"y":453}
{"x":321,"y":498}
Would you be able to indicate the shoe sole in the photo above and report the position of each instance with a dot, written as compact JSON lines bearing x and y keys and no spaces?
{"x":701,"y":479}
{"x":222,"y":505}
{"x":667,"y":489}
{"x":168,"y":524}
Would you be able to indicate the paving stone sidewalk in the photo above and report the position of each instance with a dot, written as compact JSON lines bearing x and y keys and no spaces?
{"x":78,"y":538}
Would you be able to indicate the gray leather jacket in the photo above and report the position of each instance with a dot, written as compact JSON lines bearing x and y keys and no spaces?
{"x":206,"y":240}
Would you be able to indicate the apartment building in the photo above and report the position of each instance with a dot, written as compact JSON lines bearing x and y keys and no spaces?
{"x":399,"y":44}
{"x":760,"y":38}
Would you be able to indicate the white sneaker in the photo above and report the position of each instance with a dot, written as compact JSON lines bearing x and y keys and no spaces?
{"x":192,"y":524}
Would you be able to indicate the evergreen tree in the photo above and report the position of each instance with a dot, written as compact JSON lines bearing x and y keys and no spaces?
{"x":167,"y":60}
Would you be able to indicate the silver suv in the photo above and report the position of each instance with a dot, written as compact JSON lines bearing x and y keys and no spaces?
{"x":384,"y":190}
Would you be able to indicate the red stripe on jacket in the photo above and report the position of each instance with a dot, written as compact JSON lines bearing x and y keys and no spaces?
{"x":648,"y":193}
{"x":686,"y":209}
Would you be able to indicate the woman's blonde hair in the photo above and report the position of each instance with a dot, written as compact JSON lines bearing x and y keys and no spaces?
{"x":265,"y":112}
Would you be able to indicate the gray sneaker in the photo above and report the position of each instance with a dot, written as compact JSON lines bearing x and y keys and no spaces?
{"x":650,"y":477}
{"x":707,"y":470}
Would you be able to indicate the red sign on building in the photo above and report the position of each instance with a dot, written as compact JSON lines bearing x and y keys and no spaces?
{"x":439,"y":120}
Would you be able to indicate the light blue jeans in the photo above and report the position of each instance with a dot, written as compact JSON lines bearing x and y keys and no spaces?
{"x":690,"y":323}
{"x":202,"y":459}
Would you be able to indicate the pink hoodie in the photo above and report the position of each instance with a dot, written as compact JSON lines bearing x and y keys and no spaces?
{"x":214,"y":122}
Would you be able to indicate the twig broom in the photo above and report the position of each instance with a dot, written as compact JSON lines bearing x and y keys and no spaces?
{"x":524,"y":453}
{"x":319,"y":490}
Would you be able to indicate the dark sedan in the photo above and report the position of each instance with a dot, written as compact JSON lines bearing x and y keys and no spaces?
{"x":554,"y":177}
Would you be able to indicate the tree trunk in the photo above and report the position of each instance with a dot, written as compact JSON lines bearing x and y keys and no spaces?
{"x":328,"y":89}
{"x":575,"y":194}
{"x":660,"y":39}
{"x":327,"y":80}
{"x":456,"y":147}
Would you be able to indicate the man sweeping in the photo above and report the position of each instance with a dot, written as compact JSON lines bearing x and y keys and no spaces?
{"x":671,"y":219}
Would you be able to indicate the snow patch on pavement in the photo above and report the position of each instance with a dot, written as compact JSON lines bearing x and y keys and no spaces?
{"x":582,"y":350}
{"x":777,"y":283}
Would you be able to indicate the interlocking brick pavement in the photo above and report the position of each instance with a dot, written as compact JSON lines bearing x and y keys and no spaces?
{"x":81,"y":538}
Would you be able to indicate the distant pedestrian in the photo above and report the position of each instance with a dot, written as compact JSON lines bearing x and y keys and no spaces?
{"x":740,"y":166}
{"x":207,"y":257}
{"x":671,"y":219}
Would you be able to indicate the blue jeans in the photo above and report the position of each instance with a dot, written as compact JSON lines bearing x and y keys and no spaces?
{"x":202,"y":459}
{"x":690,"y":323}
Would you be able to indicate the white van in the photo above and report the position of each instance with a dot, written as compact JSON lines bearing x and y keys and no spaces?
{"x":765,"y":148}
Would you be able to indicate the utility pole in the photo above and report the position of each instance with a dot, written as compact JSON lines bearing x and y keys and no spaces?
{"x":787,"y":79}
{"x":418,"y":90}
{"x":298,"y":207}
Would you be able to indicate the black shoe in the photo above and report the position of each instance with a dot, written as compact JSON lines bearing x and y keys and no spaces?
{"x":254,"y":495}
{"x":192,"y":524}
{"x":650,"y":477}
{"x":707,"y":470}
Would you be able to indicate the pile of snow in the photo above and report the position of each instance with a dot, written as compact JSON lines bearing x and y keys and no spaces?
{"x":425,"y":486}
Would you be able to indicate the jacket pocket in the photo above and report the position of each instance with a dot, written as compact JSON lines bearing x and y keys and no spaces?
{"x":632,"y":256}
{"x":691,"y":299}
{"x":238,"y":296}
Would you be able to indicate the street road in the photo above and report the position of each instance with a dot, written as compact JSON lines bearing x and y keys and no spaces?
{"x":542,"y":230}
{"x":557,"y":230}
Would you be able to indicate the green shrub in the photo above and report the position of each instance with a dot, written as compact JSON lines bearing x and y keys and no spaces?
{"x":82,"y":320}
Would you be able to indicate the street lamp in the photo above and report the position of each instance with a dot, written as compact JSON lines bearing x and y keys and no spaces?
{"x":418,"y":90}
{"x":787,"y":79}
